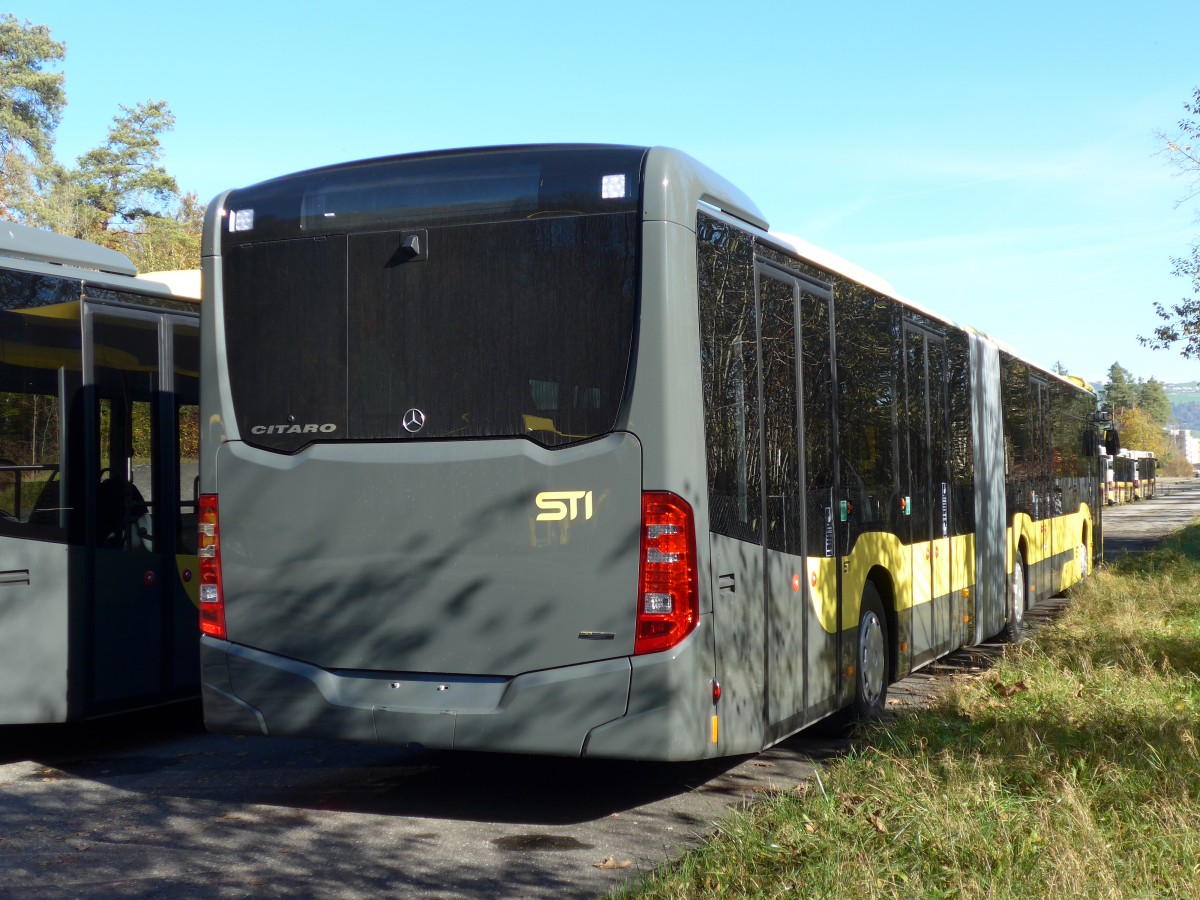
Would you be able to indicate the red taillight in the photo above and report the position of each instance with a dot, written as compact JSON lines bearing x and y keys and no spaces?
{"x":668,"y":597}
{"x":212,"y":597}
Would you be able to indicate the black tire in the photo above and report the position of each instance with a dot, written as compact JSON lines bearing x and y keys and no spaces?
{"x":871,"y":657}
{"x":1014,"y":630}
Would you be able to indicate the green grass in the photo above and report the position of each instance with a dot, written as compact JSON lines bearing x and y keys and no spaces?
{"x":1071,"y":768}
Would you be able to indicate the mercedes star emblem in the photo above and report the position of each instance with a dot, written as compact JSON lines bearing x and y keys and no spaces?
{"x":414,"y":420}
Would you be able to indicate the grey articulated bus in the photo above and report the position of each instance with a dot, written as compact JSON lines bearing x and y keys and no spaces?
{"x":99,"y":444}
{"x":559,"y":450}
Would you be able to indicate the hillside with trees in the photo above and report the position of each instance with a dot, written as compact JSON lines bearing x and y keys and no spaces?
{"x":1186,"y":409}
{"x":117,"y":194}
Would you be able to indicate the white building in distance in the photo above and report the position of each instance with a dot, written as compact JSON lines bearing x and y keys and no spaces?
{"x":1188,"y":444}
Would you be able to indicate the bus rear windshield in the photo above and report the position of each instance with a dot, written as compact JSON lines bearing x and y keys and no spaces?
{"x":423,"y":190}
{"x":518,"y":328}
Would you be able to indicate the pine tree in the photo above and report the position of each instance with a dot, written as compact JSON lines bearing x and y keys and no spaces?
{"x":31,"y":104}
{"x":1120,"y":392}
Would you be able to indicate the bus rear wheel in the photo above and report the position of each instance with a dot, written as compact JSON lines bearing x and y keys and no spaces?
{"x":1014,"y":630}
{"x":871,"y":657}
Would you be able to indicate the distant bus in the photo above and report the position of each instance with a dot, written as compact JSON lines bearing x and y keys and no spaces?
{"x":1108,"y":479}
{"x":557,"y":449}
{"x":1145,"y":473}
{"x":99,"y":394}
{"x":1135,"y":474}
{"x":1124,"y":473}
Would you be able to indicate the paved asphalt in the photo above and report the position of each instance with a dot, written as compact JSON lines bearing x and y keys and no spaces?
{"x":1137,"y":527}
{"x":150,"y":805}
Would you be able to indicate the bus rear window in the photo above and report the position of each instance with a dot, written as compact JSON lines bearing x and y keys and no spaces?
{"x":495,"y":329}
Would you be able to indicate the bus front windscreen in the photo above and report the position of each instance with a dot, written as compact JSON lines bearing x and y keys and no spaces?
{"x":436,"y":327}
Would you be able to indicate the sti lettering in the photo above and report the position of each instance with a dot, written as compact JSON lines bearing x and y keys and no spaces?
{"x":561,"y":505}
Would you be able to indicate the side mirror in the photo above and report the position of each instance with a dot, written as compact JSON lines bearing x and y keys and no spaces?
{"x":1091,"y":443}
{"x":1112,"y":441}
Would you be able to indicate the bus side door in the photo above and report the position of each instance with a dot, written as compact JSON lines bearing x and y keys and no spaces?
{"x":141,"y":641}
{"x":801,"y":584}
{"x":931,"y":607}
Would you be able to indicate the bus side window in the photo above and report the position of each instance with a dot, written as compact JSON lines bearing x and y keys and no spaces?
{"x":29,"y":495}
{"x":10,"y":491}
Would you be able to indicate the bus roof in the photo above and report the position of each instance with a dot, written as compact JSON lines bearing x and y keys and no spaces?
{"x":23,"y":242}
{"x":829,"y":260}
{"x":181,"y":283}
{"x":45,"y":253}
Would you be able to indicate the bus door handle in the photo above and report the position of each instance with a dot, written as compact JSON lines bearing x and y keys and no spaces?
{"x":727,"y":583}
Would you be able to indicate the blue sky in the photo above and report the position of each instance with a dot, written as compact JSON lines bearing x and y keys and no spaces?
{"x":997,"y":163}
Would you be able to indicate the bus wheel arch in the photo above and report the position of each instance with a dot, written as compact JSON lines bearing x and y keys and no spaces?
{"x":881,"y":581}
{"x":873,"y":656}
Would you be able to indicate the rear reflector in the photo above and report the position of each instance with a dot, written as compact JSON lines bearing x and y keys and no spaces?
{"x":668,"y":597}
{"x":212,"y":597}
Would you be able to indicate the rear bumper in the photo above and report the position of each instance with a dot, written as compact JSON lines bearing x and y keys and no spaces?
{"x":569,"y":711}
{"x":247,"y":691}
